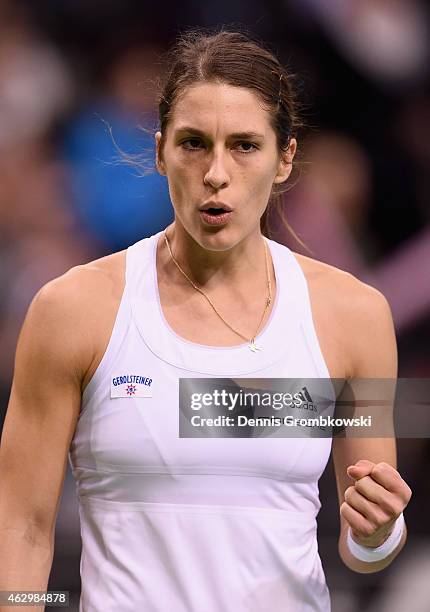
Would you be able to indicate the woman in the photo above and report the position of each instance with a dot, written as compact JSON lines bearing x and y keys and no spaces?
{"x":198,"y":524}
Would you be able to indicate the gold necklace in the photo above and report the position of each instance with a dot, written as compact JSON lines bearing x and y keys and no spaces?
{"x":253,"y":346}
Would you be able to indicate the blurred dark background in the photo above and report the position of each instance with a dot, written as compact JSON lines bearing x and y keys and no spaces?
{"x":77,"y":79}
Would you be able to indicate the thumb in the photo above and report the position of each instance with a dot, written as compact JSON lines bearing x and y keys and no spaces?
{"x":361,"y":468}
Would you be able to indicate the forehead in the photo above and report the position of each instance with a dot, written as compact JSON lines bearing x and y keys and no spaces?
{"x":218,"y":106}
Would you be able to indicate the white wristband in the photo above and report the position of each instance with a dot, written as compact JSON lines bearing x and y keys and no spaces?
{"x":368,"y":554}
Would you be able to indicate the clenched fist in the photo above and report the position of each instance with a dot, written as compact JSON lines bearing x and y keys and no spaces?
{"x":375,"y":500}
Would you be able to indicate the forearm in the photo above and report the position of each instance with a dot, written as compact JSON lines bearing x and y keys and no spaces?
{"x":362,"y":567}
{"x":25,"y":561}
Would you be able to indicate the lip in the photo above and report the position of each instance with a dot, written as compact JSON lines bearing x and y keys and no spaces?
{"x":213,"y":204}
{"x":215,"y":220}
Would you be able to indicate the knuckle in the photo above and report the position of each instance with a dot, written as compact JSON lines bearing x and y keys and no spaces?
{"x":380,"y":468}
{"x":360,"y":485}
{"x":344,"y":509}
{"x":349,"y":492}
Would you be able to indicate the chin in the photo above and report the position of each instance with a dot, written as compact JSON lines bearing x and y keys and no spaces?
{"x":222,"y":240}
{"x":216,"y":242}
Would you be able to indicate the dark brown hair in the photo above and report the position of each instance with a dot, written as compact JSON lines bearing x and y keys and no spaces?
{"x":234,"y":58}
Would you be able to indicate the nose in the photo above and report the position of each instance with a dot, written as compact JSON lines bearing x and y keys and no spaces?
{"x":217,"y":176}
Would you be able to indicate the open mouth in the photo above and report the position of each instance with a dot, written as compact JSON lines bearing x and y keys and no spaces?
{"x":215,"y":211}
{"x":215,"y":216}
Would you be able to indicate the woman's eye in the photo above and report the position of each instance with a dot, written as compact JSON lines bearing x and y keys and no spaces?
{"x":191,"y":144}
{"x":247,"y":144}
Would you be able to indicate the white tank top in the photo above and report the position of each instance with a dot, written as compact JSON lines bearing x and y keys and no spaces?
{"x":206,"y":524}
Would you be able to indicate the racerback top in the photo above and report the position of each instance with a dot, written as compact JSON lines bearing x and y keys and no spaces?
{"x":196,"y":525}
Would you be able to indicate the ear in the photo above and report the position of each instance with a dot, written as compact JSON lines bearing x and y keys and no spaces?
{"x":158,"y":155}
{"x":286,"y":162}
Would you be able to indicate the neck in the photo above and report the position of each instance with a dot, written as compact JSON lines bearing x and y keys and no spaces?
{"x":241,"y":263}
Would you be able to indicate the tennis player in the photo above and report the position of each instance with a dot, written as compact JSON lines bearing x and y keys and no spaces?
{"x":201,"y":524}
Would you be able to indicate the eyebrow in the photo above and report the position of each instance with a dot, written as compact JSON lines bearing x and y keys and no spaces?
{"x":238,"y":135}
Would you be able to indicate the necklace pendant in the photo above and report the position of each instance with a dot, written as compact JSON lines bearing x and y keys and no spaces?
{"x":255,"y":347}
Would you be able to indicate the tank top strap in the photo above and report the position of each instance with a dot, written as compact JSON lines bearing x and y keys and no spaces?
{"x":300,"y":304}
{"x":119,"y":330}
{"x":295,"y":280}
{"x":138,"y":265}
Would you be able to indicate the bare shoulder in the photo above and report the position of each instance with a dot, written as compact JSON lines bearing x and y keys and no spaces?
{"x":101,"y":277}
{"x":356,"y":313}
{"x":71,"y":314}
{"x":338,"y":284}
{"x":84,"y":289}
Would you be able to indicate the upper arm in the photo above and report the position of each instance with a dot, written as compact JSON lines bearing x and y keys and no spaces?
{"x":43,"y":409}
{"x":372,"y":350}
